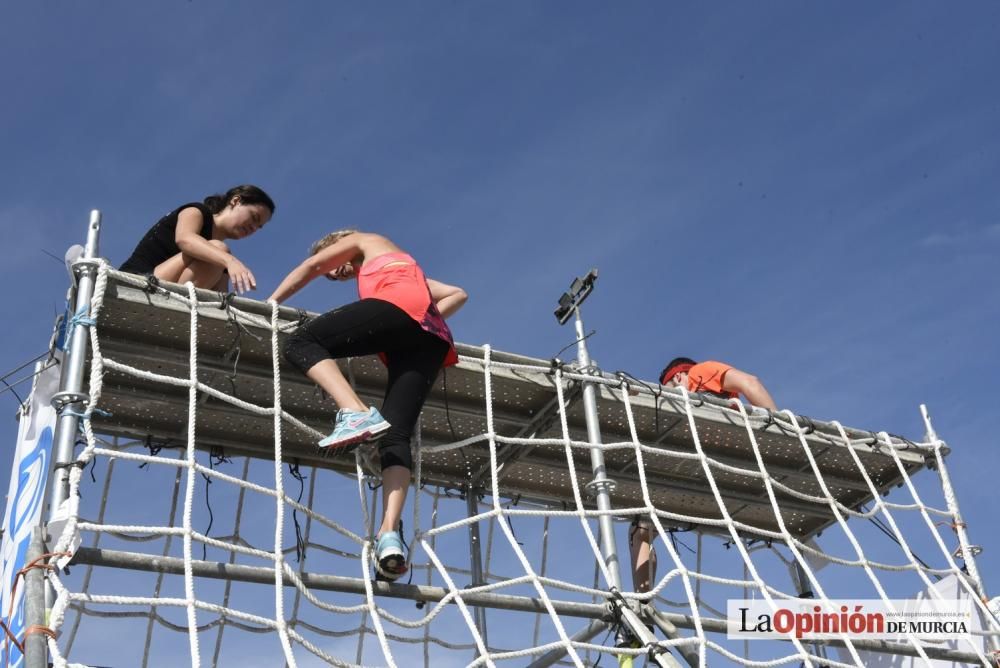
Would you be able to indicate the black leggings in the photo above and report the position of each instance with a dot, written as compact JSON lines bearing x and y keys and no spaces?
{"x":371,"y":326}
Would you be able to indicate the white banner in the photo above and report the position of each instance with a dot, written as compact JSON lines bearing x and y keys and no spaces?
{"x":25,"y":501}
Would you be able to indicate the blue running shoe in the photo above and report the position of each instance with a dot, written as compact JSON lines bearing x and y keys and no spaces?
{"x":354,"y":427}
{"x":390,"y":560}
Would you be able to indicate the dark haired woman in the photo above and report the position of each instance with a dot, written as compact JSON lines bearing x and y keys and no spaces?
{"x":189,"y":243}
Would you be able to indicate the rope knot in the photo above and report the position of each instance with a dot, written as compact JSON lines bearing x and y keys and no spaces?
{"x":226,"y":300}
{"x":152,"y":285}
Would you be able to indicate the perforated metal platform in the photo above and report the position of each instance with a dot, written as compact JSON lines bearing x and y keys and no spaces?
{"x":151,"y":332}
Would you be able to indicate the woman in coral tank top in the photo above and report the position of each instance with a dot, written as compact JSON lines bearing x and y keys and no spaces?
{"x":400,"y":316}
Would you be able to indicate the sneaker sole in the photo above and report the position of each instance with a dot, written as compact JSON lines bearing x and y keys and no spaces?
{"x":366,"y":436}
{"x":390,"y":568}
{"x":378,"y":432}
{"x":381,"y":577}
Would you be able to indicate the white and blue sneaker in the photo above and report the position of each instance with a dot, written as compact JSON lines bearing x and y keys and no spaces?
{"x":354,"y":427}
{"x":390,"y":560}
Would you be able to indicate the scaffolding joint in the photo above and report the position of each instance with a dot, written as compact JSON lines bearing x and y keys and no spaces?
{"x":62,"y":399}
{"x":596,"y":486}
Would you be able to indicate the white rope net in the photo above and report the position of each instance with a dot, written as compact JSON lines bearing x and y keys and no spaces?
{"x":267,"y":561}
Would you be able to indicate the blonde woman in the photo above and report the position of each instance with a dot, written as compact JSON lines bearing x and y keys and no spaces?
{"x":400,"y":316}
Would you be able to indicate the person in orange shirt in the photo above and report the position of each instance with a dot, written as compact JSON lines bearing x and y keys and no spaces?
{"x":718,"y":379}
{"x":715,"y":378}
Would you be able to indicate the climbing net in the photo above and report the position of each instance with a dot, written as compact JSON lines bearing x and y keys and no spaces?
{"x":268,"y":560}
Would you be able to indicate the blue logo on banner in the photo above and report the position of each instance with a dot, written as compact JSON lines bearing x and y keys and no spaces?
{"x":26,"y":509}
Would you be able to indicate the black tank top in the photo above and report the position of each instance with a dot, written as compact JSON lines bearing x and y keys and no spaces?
{"x":160,"y":242}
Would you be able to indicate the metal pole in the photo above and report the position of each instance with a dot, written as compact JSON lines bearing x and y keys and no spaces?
{"x":670,"y":630}
{"x":70,"y":397}
{"x":35,"y":647}
{"x":475,"y":550}
{"x":602,"y":487}
{"x":644,"y":634}
{"x":258,"y":574}
{"x":601,"y":484}
{"x":968,"y":556}
{"x":583,"y":635}
{"x":596,"y":626}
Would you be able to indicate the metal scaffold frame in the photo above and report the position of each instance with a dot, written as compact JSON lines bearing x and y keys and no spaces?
{"x":683,"y":437}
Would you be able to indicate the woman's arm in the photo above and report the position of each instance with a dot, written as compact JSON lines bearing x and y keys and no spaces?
{"x":447,"y":298}
{"x":189,"y":240}
{"x":323,"y":262}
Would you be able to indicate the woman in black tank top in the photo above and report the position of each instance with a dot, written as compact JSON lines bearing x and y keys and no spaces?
{"x":189,"y":243}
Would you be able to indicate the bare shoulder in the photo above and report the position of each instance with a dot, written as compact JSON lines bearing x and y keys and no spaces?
{"x":372,"y":244}
{"x":189,"y":219}
{"x":190,"y":212}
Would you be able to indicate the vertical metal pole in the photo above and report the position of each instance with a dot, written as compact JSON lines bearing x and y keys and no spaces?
{"x":475,"y":550}
{"x":35,"y":648}
{"x":70,"y":398}
{"x":600,"y":484}
{"x":963,"y":536}
{"x":602,"y":487}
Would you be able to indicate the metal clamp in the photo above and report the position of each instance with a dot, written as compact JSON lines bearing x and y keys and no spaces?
{"x":594,"y":487}
{"x":974,"y":551}
{"x":86,"y":265}
{"x":62,"y":399}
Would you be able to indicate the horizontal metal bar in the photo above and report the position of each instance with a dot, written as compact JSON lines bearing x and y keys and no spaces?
{"x":255,"y":574}
{"x":137,"y":561}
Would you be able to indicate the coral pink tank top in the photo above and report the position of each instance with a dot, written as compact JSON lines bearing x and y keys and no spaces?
{"x":404,"y":285}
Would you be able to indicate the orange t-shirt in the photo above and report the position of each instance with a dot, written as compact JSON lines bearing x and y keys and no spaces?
{"x":707,"y":377}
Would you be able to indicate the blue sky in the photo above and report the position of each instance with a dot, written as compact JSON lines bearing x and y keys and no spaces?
{"x":807,"y":191}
